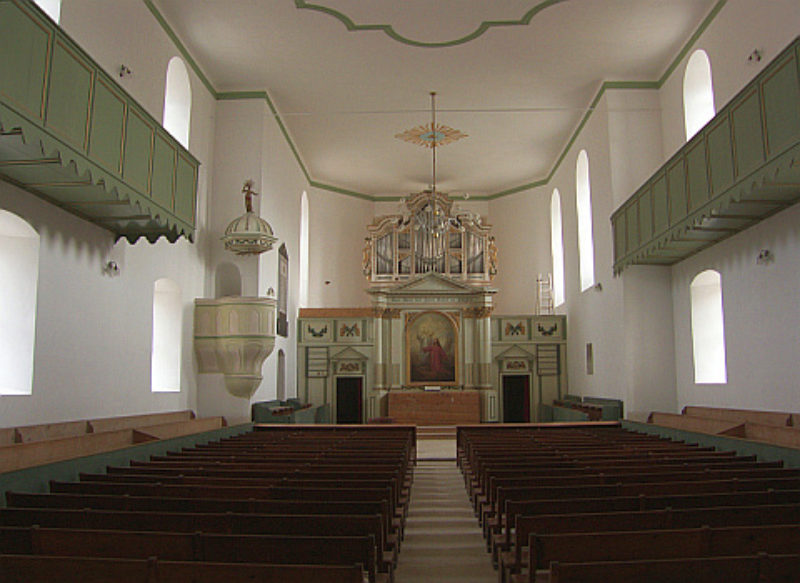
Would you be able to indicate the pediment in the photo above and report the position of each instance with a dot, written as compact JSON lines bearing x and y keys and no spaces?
{"x":433,"y":283}
{"x":349,"y":353}
{"x":515,"y":351}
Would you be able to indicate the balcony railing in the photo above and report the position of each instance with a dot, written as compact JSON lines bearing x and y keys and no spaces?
{"x":742,"y":167}
{"x":73,"y":136}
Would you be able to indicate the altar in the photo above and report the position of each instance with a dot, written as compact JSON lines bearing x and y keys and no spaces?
{"x":415,"y":407}
{"x":429,"y":273}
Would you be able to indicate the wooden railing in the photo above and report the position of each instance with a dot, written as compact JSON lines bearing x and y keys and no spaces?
{"x":743,"y":166}
{"x":71,"y":135}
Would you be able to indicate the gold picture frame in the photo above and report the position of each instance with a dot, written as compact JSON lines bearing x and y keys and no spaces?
{"x":431,"y":349}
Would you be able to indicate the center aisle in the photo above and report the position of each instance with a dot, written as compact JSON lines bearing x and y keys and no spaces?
{"x":443,"y":541}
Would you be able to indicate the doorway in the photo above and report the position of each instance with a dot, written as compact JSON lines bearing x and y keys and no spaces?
{"x":348,"y":399}
{"x":516,"y":399}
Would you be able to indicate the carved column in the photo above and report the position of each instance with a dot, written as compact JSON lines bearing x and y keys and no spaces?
{"x":482,"y":348}
{"x":483,"y":327}
{"x":394,"y":366}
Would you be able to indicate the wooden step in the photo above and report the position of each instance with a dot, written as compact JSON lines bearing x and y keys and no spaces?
{"x":436,"y":432}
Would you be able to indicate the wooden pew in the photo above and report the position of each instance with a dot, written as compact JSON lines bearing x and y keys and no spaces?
{"x":400,"y":498}
{"x":207,"y":505}
{"x":43,"y":569}
{"x":516,"y":508}
{"x":215,"y":548}
{"x":516,"y":559}
{"x":227,"y":523}
{"x":761,"y":568}
{"x":658,"y":544}
{"x":635,"y":489}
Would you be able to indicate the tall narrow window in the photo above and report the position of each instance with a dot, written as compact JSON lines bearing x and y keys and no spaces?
{"x":708,"y":329}
{"x":303,"y":300}
{"x":165,"y":371}
{"x":583,"y":193}
{"x":698,"y":93}
{"x":19,"y":275}
{"x":557,"y":248}
{"x":50,"y":7}
{"x":178,"y":101}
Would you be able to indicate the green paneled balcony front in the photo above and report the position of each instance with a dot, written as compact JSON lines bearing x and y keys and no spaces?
{"x":71,"y":135}
{"x":743,"y":166}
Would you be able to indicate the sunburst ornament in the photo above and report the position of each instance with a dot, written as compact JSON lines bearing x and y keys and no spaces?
{"x":431,"y":135}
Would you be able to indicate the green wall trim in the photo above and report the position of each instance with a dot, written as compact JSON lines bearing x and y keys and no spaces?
{"x":691,"y":42}
{"x":389,"y":30}
{"x":525,"y":20}
{"x":180,"y":46}
{"x":764,"y":451}
{"x":37,"y":479}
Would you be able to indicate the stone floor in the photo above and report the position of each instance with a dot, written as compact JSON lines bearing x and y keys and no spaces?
{"x":443,"y":542}
{"x":436,"y":449}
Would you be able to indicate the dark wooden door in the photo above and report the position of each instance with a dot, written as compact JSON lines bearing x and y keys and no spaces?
{"x":348,"y":399}
{"x":516,"y":399}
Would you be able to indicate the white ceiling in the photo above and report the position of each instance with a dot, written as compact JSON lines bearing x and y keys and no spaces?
{"x":517,"y":90}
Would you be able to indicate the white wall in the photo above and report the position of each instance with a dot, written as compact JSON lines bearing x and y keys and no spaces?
{"x":93,"y":332}
{"x":521,"y":226}
{"x":337,"y":229}
{"x":638,"y":323}
{"x":760,"y":303}
{"x":249,"y":145}
{"x":741,"y":27}
{"x":762,"y":317}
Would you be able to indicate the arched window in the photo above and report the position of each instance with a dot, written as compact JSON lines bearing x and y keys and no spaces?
{"x":19,"y":275}
{"x":557,"y":248}
{"x":303,"y":300}
{"x":280,"y":384}
{"x":165,"y":371}
{"x":708,"y":328}
{"x":583,"y":193}
{"x":178,"y":101}
{"x":698,"y":93}
{"x":51,"y":7}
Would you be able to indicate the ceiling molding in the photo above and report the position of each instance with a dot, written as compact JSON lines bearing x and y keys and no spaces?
{"x":389,"y":30}
{"x":606,"y":85}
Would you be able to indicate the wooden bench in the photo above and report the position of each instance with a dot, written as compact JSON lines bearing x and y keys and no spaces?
{"x":762,"y":568}
{"x":227,"y":523}
{"x":398,"y":494}
{"x":42,"y":569}
{"x":516,"y":508}
{"x":516,"y":559}
{"x":495,"y":524}
{"x":220,"y":548}
{"x":207,"y":505}
{"x":658,"y":544}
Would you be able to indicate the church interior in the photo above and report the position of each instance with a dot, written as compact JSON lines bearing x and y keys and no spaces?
{"x":400,"y":248}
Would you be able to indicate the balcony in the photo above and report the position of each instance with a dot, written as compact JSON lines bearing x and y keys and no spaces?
{"x":72,"y":136}
{"x":739,"y":169}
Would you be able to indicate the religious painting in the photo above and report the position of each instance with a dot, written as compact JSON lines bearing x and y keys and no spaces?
{"x":431,"y":349}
